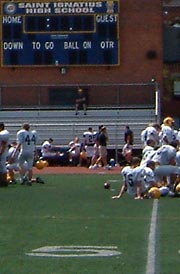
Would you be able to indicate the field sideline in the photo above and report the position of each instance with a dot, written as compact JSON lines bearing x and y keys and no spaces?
{"x":76,"y":170}
{"x":70,"y":225}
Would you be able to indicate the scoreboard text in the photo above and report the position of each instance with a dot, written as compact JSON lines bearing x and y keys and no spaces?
{"x":67,"y":33}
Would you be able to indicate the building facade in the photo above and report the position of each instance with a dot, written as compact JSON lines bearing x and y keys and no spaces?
{"x":132,"y":55}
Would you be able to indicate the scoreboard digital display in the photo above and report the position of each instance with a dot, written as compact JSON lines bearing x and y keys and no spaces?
{"x":60,"y":33}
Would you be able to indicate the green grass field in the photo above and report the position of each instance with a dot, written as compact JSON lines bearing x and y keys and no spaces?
{"x":76,"y":212}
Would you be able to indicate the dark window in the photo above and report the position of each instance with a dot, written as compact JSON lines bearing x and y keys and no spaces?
{"x":171,"y":44}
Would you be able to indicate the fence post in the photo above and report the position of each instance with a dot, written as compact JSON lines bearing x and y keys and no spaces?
{"x":157,"y":102}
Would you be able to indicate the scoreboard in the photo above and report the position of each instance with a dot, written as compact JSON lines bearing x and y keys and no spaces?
{"x":60,"y":33}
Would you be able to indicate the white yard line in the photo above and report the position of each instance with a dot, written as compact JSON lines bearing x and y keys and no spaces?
{"x":151,"y":254}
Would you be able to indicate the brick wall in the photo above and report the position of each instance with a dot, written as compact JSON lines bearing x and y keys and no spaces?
{"x":140,"y":34}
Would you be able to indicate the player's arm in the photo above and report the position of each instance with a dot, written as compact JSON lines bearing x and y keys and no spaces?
{"x":138,"y":191}
{"x":121,"y":192}
{"x":16,"y":150}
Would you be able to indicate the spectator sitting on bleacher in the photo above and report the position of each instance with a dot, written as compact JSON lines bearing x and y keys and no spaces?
{"x":81,"y":101}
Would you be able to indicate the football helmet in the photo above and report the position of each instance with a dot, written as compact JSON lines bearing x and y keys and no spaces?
{"x":168,"y":121}
{"x":154,"y":193}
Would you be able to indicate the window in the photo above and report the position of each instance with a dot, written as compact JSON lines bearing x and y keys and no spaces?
{"x":177,"y":87}
{"x":171,"y":44}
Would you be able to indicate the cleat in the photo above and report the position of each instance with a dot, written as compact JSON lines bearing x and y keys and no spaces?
{"x":108,"y":167}
{"x":171,"y":194}
{"x":24,"y":181}
{"x":94,"y":167}
{"x":39,"y":180}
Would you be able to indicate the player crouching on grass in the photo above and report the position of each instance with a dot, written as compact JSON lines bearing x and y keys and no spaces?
{"x":137,"y":180}
{"x":12,"y":163}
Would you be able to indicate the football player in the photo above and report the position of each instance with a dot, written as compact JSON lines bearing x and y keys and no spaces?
{"x":151,"y":132}
{"x":167,"y":132}
{"x":74,"y":151}
{"x":165,"y":160}
{"x":148,"y":152}
{"x":12,"y":163}
{"x":47,"y":148}
{"x":88,"y":144}
{"x":26,"y":144}
{"x":4,"y":139}
{"x":137,"y":179}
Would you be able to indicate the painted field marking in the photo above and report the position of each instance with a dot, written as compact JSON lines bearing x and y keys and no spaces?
{"x":113,"y":181}
{"x":75,"y":251}
{"x":150,"y":266}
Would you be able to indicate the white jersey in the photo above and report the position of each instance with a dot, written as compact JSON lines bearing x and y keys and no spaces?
{"x":168,"y":133}
{"x":178,"y":136}
{"x":27,"y":139}
{"x":148,"y":177}
{"x":132,"y":176}
{"x":11,"y":153}
{"x":125,"y":171}
{"x":164,"y":155}
{"x":146,"y":151}
{"x":145,"y":175}
{"x":4,"y":140}
{"x":127,"y":175}
{"x":46,"y":148}
{"x":89,"y":142}
{"x":75,"y":149}
{"x":138,"y":174}
{"x":178,"y":158}
{"x":149,"y":133}
{"x":12,"y":163}
{"x":148,"y":155}
{"x":88,"y":138}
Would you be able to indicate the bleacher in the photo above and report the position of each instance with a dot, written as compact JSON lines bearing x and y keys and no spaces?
{"x":64,"y":125}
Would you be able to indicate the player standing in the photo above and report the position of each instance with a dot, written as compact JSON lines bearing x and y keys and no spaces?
{"x":102,"y":148}
{"x":88,"y":144}
{"x":26,"y":144}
